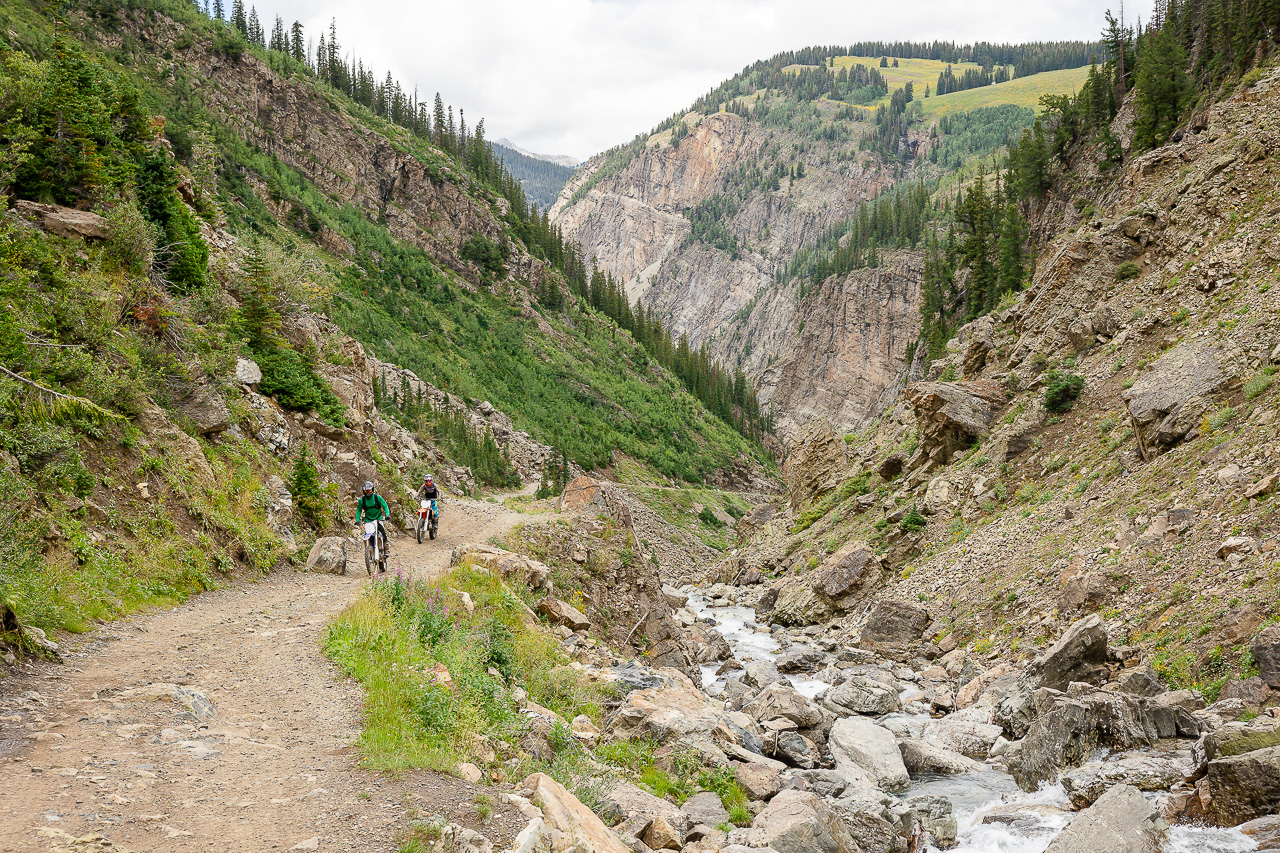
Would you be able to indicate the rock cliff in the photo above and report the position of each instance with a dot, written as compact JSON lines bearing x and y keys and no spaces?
{"x":835,"y":351}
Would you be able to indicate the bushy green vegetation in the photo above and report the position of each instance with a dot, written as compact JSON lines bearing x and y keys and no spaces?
{"x":859,"y":485}
{"x":1061,"y":391}
{"x":425,"y":665}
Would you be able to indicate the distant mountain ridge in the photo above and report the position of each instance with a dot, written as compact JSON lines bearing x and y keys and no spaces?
{"x":558,"y":159}
{"x":540,"y":176}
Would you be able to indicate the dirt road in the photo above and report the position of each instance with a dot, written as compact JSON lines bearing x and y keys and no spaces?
{"x":101,"y":746}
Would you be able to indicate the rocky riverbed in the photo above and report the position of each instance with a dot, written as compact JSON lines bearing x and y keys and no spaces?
{"x":881,"y":743}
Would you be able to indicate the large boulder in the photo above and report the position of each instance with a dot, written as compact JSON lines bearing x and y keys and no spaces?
{"x":1168,"y":401}
{"x":862,"y":748}
{"x":1266,"y":651}
{"x":1084,"y":785}
{"x":584,"y":494}
{"x":636,"y":809}
{"x":1065,"y":730}
{"x":1079,"y":655}
{"x":562,"y":613}
{"x":570,"y":825}
{"x":760,"y":782}
{"x":849,"y":576}
{"x":248,"y":372}
{"x":926,"y":759}
{"x":665,"y":713}
{"x":329,"y":555}
{"x":964,"y":732}
{"x":799,"y":822}
{"x":1237,"y":738}
{"x":894,"y":623}
{"x":859,"y":694}
{"x":953,"y":415}
{"x":63,"y":221}
{"x":705,"y":808}
{"x":781,"y":700}
{"x":510,"y":566}
{"x":1121,"y":821}
{"x":1245,"y":786}
{"x":815,"y":463}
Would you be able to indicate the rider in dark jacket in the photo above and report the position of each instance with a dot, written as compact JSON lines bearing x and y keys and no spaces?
{"x":428,"y":491}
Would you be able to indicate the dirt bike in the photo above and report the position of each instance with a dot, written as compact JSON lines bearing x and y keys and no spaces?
{"x":428,"y":519}
{"x":374,"y":554}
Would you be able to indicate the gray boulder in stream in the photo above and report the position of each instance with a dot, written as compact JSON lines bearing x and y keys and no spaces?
{"x":859,"y":745}
{"x":1079,"y":655}
{"x":1121,"y":821}
{"x":799,"y":822}
{"x":859,"y":694}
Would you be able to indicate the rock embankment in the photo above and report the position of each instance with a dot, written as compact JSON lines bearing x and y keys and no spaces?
{"x":848,"y":768}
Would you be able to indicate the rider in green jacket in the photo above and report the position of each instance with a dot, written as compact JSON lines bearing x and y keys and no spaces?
{"x":371,"y":507}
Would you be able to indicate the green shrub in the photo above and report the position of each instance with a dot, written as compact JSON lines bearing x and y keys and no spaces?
{"x":308,"y":496}
{"x":707,"y":517}
{"x":1128,"y":270}
{"x":1257,"y":385}
{"x":293,"y":381}
{"x":913,"y":521}
{"x":1062,"y":391}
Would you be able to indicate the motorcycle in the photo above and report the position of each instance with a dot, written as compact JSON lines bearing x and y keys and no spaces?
{"x":428,"y":519}
{"x":374,"y":555}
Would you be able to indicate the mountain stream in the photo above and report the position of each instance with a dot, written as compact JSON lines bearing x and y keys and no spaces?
{"x":993,"y":814}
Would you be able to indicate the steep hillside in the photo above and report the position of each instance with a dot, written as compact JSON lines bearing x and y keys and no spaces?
{"x":709,"y":220}
{"x":233,"y":294}
{"x":1006,"y":506}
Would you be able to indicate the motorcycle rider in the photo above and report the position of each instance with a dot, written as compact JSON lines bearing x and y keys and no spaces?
{"x":429,"y":492}
{"x":371,"y":507}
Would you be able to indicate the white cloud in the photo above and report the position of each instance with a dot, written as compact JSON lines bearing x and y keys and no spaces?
{"x":578,"y":76}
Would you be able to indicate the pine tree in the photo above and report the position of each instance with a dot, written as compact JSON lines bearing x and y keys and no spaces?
{"x":238,"y":19}
{"x":254,"y":28}
{"x":297,"y":48}
{"x":1163,"y":90}
{"x":218,"y":11}
{"x":1012,"y":268}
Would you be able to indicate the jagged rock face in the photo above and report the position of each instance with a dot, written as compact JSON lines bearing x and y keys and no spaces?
{"x":426,"y":205}
{"x":856,"y":328}
{"x":953,"y":415}
{"x":816,"y":463}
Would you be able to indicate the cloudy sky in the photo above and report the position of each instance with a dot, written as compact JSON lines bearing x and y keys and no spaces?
{"x":578,"y":76}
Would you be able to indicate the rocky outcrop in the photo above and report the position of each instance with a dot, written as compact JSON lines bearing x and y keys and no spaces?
{"x":816,"y":463}
{"x":894,"y":623}
{"x":1266,"y":652}
{"x":63,"y":221}
{"x":1080,"y":654}
{"x":863,"y":749}
{"x":1245,"y":786}
{"x":952,"y":415}
{"x":570,"y":825}
{"x":799,"y":822}
{"x":1167,"y":404}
